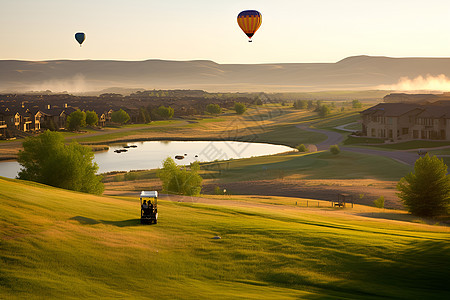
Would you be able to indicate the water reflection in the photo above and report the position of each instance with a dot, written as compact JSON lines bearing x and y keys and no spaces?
{"x":149,"y":155}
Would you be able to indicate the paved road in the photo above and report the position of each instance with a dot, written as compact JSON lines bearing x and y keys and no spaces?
{"x":335,"y":138}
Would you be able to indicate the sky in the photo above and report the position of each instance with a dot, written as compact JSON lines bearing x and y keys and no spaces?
{"x":292,"y":31}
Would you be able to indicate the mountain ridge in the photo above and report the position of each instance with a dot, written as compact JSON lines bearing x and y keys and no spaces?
{"x":354,"y":72}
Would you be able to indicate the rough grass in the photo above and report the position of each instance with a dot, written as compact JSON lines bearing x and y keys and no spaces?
{"x":60,"y":244}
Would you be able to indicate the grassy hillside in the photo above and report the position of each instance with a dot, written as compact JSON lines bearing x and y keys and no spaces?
{"x":61,"y":244}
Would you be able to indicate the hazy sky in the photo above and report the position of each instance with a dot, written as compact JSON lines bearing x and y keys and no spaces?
{"x":291,"y":30}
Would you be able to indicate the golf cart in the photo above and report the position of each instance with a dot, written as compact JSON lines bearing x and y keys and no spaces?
{"x":149,"y":207}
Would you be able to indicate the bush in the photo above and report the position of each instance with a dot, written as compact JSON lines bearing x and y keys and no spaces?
{"x":46,"y":159}
{"x":426,"y":191}
{"x":180,"y":180}
{"x":334,"y":149}
{"x":301,"y":148}
{"x":239,"y":108}
{"x":379,"y":202}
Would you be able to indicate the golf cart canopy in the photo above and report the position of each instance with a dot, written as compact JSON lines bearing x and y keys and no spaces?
{"x":149,"y":194}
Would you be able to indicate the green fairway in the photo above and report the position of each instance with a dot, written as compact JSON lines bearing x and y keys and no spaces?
{"x":61,"y":244}
{"x":318,"y":165}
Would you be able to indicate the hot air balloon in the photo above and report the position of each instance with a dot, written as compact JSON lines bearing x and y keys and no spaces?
{"x":249,"y":21}
{"x":80,"y":37}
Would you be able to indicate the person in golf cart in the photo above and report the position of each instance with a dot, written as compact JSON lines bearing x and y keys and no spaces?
{"x":149,"y":207}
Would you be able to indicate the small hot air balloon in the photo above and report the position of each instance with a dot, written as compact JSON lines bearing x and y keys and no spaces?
{"x":249,"y":21}
{"x":80,"y":37}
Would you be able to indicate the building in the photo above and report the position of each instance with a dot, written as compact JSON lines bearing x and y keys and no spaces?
{"x":405,"y":121}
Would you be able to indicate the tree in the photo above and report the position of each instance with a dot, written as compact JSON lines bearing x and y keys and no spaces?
{"x":91,"y":118}
{"x":165,"y":112}
{"x":180,"y":180}
{"x":76,"y":120}
{"x":120,"y":117}
{"x":324,"y":110}
{"x":144,"y":116}
{"x":379,"y":202}
{"x":213,"y":109}
{"x":334,"y":149}
{"x":239,"y":108}
{"x":426,"y":191}
{"x":301,"y":148}
{"x":310,"y":104}
{"x":46,"y":159}
{"x":356,"y":104}
{"x":300,"y":104}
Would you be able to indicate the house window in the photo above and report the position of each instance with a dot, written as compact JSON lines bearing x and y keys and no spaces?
{"x":389,"y":121}
{"x":415,"y":134}
{"x":405,"y":131}
{"x":373,"y":132}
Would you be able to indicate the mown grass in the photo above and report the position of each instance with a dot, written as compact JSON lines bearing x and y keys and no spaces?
{"x":319,"y":165}
{"x":412,"y":145}
{"x":60,"y":244}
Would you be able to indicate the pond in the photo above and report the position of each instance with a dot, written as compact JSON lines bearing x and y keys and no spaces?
{"x":149,"y":155}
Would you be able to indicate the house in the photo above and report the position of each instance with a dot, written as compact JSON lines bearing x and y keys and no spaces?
{"x":405,"y":121}
{"x":11,"y":118}
{"x":3,"y":126}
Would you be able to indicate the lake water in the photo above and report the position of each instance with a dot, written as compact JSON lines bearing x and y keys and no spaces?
{"x":149,"y":155}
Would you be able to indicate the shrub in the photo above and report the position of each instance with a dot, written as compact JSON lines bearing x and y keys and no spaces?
{"x":334,"y":149}
{"x":301,"y":148}
{"x":379,"y":202}
{"x":426,"y":191}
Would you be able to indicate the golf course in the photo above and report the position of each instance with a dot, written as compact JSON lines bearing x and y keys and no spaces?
{"x":274,"y":235}
{"x":65,"y":244}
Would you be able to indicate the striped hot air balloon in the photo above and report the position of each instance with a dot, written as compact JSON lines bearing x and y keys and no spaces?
{"x":249,"y":21}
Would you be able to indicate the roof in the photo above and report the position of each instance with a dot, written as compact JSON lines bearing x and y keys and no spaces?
{"x":392,"y":109}
{"x":149,"y":194}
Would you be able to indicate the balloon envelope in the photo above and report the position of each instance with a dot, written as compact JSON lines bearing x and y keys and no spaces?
{"x":249,"y":21}
{"x":80,"y":37}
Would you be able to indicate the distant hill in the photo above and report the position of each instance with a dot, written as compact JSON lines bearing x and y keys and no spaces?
{"x":358,"y":72}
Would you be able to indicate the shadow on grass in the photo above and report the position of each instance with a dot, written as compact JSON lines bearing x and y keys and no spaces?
{"x":405,"y":218}
{"x":85,"y":221}
{"x":122,"y":223}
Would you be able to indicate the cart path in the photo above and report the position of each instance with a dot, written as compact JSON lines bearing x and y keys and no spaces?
{"x":334,"y":138}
